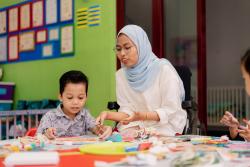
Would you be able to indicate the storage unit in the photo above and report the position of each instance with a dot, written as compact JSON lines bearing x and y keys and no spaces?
{"x":6,"y":105}
{"x":7,"y":90}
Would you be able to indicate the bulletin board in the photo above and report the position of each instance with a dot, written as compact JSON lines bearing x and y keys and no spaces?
{"x":36,"y":29}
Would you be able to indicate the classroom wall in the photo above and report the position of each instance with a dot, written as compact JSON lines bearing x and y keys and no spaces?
{"x":180,"y":24}
{"x":228,"y":38}
{"x":36,"y":80}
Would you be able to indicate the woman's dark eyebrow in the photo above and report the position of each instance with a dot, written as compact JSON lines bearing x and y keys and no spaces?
{"x":126,"y":44}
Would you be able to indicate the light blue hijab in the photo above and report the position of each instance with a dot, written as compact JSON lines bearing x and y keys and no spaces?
{"x":142,"y":75}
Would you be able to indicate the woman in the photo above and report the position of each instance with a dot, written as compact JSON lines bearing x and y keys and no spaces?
{"x":148,"y":89}
{"x":228,"y":119}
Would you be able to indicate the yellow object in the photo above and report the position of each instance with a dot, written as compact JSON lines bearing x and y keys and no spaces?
{"x":15,"y":148}
{"x":27,"y":147}
{"x":107,"y":148}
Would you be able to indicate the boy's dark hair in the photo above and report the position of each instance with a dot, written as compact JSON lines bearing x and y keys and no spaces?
{"x":245,"y":61}
{"x":73,"y":77}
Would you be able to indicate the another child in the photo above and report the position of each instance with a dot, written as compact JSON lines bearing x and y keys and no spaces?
{"x":228,"y":119}
{"x":70,"y":118}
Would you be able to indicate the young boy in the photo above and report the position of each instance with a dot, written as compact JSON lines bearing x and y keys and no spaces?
{"x":70,"y":118}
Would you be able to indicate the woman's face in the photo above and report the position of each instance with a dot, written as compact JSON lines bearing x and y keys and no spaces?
{"x":126,"y":51}
{"x":246,"y":77}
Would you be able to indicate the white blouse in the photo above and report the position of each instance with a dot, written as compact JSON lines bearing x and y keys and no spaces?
{"x":164,"y":96}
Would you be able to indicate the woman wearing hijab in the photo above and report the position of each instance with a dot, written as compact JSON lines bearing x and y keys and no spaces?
{"x":148,"y":89}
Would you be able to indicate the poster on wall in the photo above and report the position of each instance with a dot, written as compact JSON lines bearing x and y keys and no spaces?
{"x":3,"y":48}
{"x":47,"y":50}
{"x":13,"y":48}
{"x":54,"y":34}
{"x":37,"y":13}
{"x":13,"y":19}
{"x":51,"y":11}
{"x":66,"y":10}
{"x":41,"y":36}
{"x":27,"y":41}
{"x":25,"y":16}
{"x":67,"y":41}
{"x":3,"y":22}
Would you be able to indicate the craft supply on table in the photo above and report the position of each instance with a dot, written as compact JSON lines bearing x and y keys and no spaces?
{"x":32,"y":158}
{"x":110,"y":148}
{"x":115,"y":137}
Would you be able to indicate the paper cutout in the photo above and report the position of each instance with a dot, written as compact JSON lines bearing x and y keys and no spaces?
{"x":51,"y":11}
{"x":13,"y":19}
{"x":66,"y":10}
{"x":3,"y":49}
{"x":53,"y":34}
{"x":37,"y":13}
{"x":25,"y":16}
{"x":13,"y":48}
{"x":47,"y":50}
{"x":41,"y":36}
{"x":26,"y":41}
{"x":3,"y":22}
{"x":88,"y":17}
{"x":67,"y":39}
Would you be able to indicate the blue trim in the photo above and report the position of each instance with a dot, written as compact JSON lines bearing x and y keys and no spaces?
{"x":92,"y":25}
{"x":95,"y":6}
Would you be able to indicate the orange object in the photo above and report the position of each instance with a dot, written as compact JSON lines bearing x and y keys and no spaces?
{"x":31,"y":132}
{"x":144,"y":146}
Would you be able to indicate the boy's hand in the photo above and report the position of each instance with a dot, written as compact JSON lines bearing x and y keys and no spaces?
{"x":101,"y":118}
{"x":229,"y":120}
{"x":106,"y":132}
{"x":245,"y":131}
{"x":50,"y":133}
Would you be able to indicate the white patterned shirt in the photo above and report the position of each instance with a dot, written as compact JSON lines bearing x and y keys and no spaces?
{"x":66,"y":126}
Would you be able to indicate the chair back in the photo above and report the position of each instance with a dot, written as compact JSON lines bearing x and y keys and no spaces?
{"x":185,"y":75}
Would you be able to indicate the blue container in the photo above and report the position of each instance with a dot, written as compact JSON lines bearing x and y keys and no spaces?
{"x":6,"y":105}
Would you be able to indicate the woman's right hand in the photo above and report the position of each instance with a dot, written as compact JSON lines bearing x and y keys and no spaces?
{"x":101,"y":118}
{"x":229,"y":120}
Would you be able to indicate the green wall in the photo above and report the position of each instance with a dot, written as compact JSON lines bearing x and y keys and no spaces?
{"x":36,"y":80}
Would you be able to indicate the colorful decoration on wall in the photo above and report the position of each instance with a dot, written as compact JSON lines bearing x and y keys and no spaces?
{"x":88,"y":16}
{"x":34,"y":30}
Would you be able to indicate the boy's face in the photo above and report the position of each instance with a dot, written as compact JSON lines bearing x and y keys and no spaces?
{"x":246,"y":77}
{"x":73,"y":98}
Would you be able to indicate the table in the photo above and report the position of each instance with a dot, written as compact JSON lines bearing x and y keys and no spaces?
{"x":76,"y":159}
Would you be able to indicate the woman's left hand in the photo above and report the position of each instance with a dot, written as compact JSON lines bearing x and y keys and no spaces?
{"x":245,"y":131}
{"x":106,"y":132}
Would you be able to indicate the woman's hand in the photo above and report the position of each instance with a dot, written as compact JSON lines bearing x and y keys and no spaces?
{"x":245,"y":131}
{"x":50,"y":133}
{"x":229,"y":120}
{"x":136,"y":116}
{"x":101,"y":118}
